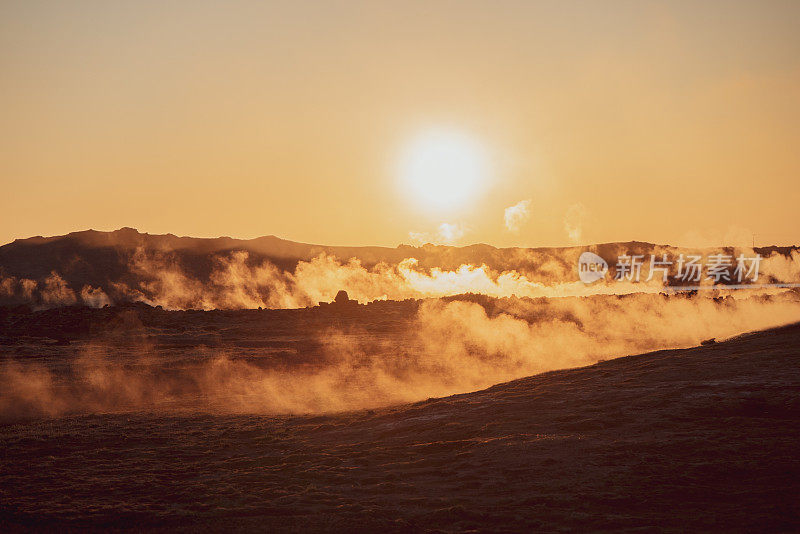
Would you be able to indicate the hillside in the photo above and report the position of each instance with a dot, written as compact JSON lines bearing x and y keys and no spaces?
{"x":702,"y":439}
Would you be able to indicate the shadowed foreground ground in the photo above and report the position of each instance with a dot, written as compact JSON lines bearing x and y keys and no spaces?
{"x":698,"y":439}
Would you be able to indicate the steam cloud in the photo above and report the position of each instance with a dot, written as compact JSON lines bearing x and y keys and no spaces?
{"x":446,"y":234}
{"x":236,"y":281}
{"x":448,"y":347}
{"x":574,"y":221}
{"x":517,"y":215}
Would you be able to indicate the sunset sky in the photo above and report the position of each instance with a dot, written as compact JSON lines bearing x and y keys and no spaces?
{"x":334,"y":122}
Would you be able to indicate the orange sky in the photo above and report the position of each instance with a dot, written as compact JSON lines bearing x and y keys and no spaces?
{"x":673,"y":122}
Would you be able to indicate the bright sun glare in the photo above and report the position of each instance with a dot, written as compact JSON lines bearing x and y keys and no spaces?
{"x":443,"y":169}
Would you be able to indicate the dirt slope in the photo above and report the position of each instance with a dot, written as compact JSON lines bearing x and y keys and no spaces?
{"x":696,"y":439}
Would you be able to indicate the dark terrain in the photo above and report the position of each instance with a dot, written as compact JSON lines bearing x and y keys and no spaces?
{"x":683,"y":440}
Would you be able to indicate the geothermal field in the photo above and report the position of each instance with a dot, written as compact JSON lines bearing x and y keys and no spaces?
{"x":399,"y":266}
{"x":186,"y":384}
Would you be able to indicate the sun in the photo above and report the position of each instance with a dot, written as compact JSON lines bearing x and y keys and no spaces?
{"x":443,"y":169}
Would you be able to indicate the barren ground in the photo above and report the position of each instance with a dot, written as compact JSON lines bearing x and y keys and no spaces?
{"x":691,"y":440}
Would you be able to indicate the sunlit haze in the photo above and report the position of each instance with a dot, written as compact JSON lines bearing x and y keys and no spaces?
{"x":369,"y":123}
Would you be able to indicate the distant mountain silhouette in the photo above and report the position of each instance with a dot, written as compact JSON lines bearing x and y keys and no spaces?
{"x":41,"y":270}
{"x":38,"y":256}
